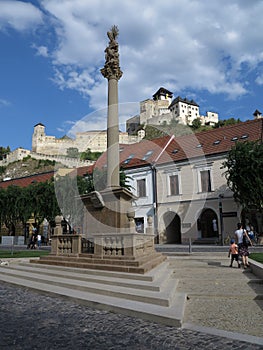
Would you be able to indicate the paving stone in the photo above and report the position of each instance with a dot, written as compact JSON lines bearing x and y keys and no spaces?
{"x":31,"y":320}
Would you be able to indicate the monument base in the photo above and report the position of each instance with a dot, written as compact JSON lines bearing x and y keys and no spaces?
{"x":109,"y":241}
{"x":139,"y":265}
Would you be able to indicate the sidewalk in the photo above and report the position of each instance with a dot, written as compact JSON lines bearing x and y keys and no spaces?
{"x":220,"y":298}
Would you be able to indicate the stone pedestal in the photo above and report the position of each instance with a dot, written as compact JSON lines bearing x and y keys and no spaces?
{"x":111,"y":215}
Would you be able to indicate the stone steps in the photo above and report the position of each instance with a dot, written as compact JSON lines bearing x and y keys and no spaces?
{"x":153,"y":297}
{"x":139,"y":266}
{"x":158,"y":280}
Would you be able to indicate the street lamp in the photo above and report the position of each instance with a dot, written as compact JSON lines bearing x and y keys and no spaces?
{"x":221,"y":217}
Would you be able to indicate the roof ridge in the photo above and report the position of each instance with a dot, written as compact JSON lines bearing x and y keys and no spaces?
{"x":28,"y":176}
{"x":241,"y":123}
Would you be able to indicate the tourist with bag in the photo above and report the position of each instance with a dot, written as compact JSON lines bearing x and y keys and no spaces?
{"x":243,"y":242}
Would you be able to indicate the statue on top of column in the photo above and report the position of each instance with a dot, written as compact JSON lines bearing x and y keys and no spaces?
{"x":111,"y":68}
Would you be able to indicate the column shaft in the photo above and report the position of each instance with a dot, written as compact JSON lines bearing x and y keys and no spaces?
{"x":113,"y":158}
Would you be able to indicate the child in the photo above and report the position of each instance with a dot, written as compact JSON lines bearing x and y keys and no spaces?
{"x":233,"y":251}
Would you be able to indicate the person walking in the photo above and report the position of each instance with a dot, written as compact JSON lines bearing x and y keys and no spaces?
{"x":243,"y":241}
{"x":233,"y":252}
{"x":39,"y":240}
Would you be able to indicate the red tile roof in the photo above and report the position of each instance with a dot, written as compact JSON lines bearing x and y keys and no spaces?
{"x":28,"y":180}
{"x":84,"y":170}
{"x":167,"y":149}
{"x":212,"y":142}
{"x":216,"y":141}
{"x":136,"y":155}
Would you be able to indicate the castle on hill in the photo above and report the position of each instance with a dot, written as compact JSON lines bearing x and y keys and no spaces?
{"x":162,"y":108}
{"x":95,"y":140}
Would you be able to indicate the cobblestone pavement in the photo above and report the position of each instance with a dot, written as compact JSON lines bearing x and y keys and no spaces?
{"x":29,"y":320}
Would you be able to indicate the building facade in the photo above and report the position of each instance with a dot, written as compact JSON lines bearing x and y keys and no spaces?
{"x":181,"y":184}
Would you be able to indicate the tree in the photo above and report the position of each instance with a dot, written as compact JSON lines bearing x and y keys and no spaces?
{"x":72,"y":152}
{"x":19,"y":204}
{"x":244,"y":174}
{"x":225,"y":122}
{"x":67,"y":194}
{"x":171,"y":128}
{"x":4,"y":151}
{"x":152,"y":132}
{"x":11,"y":208}
{"x":42,"y":202}
{"x":24,"y":209}
{"x":88,"y":155}
{"x":196,"y":124}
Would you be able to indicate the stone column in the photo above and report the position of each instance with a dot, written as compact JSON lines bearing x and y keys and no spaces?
{"x":113,"y":73}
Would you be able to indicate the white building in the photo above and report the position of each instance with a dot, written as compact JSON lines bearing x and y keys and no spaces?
{"x":162,"y":108}
{"x":180,"y":183}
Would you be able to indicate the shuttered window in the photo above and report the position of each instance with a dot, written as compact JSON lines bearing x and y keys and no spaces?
{"x":141,"y":188}
{"x":174,"y":185}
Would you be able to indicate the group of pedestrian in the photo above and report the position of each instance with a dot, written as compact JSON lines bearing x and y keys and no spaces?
{"x":35,"y":240}
{"x":240,"y":249}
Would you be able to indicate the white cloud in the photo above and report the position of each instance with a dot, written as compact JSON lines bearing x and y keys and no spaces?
{"x":259,"y":79}
{"x":19,"y":15}
{"x":183,"y":45}
{"x":41,"y":50}
{"x":177,"y":44}
{"x":4,"y":103}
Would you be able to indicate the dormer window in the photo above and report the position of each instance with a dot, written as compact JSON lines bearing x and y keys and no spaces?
{"x":216,"y":142}
{"x":147,"y":155}
{"x":127,"y":161}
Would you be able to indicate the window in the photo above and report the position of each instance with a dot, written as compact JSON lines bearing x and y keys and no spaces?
{"x":205,"y":181}
{"x":141,"y":188}
{"x":139,"y":224}
{"x":147,"y":155}
{"x":174,"y":185}
{"x":127,"y":161}
{"x":216,"y":142}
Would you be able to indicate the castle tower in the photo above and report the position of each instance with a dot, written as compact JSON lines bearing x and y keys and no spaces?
{"x":38,"y":136}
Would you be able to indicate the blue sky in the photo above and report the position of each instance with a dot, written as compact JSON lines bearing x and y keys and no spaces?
{"x":52,"y":52}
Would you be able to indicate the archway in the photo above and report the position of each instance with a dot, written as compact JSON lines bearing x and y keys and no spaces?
{"x":173,"y":228}
{"x":208,"y":223}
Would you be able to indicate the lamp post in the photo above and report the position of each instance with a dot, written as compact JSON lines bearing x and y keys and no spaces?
{"x":221,"y":218}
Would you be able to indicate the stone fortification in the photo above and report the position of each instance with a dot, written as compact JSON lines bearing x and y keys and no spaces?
{"x":95,"y":140}
{"x":21,"y":153}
